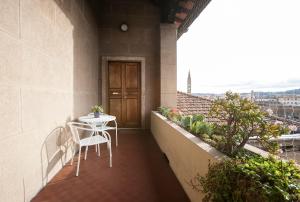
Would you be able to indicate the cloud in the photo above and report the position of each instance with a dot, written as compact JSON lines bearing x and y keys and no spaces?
{"x":258,"y":86}
{"x":229,"y":48}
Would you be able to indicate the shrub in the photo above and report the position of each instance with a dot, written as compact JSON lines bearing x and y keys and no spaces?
{"x":196,"y":124}
{"x":188,"y":121}
{"x":250,"y":178}
{"x":242,"y":119}
{"x":201,"y":128}
{"x":174,"y":115}
{"x":164,"y":111}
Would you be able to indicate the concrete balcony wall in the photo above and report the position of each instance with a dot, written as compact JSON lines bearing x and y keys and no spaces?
{"x":141,"y":40}
{"x":187,"y":154}
{"x":48,"y":75}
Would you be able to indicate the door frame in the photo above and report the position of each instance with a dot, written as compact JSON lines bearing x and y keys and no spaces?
{"x":103,"y":95}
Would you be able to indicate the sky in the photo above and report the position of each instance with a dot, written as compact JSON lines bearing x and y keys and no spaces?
{"x":242,"y":45}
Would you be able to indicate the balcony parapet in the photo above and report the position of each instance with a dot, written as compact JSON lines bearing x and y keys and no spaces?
{"x":188,"y":155}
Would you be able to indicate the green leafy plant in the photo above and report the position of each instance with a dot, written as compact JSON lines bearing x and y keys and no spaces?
{"x":174,"y":115}
{"x":97,"y":108}
{"x":196,"y":124}
{"x":201,"y":128}
{"x":240,"y":120}
{"x":250,"y":178}
{"x":188,"y":121}
{"x":164,"y":111}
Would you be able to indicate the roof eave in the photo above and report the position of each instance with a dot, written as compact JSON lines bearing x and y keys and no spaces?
{"x":199,"y":6}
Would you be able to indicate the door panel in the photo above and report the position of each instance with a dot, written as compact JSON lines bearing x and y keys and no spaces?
{"x":124,"y":93}
{"x":115,"y":75}
{"x":132,"y":112}
{"x":131,"y":76}
{"x":115,"y":106}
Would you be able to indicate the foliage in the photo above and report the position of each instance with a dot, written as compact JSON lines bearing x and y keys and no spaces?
{"x":97,"y":108}
{"x":195,"y":124}
{"x":174,"y":115}
{"x":164,"y":111}
{"x":188,"y":121}
{"x":242,"y":119}
{"x":244,"y":177}
{"x":250,"y":178}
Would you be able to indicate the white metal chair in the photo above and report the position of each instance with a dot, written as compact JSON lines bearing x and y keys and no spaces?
{"x":96,"y":137}
{"x":103,"y":126}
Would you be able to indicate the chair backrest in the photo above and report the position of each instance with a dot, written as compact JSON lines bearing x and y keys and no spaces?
{"x":74,"y":126}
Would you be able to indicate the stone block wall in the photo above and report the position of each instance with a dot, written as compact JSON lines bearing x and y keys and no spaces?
{"x":49,"y":68}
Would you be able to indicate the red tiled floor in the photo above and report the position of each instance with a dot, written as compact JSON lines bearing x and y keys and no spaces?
{"x":140,"y":173}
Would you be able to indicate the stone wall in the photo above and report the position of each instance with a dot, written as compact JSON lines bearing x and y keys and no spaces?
{"x":188,"y":155}
{"x":48,"y":75}
{"x":141,"y":40}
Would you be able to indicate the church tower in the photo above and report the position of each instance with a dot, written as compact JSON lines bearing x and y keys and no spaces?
{"x":189,"y":83}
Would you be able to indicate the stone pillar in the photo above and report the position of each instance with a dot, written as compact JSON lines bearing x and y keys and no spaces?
{"x":168,"y":65}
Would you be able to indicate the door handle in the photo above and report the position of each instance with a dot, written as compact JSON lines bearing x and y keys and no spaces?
{"x":115,"y":93}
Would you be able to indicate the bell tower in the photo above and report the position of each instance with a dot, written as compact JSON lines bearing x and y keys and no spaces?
{"x":189,"y":83}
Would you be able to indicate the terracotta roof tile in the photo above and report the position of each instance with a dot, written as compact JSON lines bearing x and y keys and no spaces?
{"x":190,"y":104}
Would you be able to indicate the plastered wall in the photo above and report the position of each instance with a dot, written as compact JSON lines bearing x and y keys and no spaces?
{"x":49,"y":67}
{"x":168,"y":65}
{"x":188,"y":156}
{"x":141,"y":40}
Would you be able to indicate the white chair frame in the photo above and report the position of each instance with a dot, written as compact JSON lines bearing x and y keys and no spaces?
{"x":96,"y":138}
{"x":104,"y":127}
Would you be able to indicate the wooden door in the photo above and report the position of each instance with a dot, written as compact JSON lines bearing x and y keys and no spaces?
{"x":124,"y":93}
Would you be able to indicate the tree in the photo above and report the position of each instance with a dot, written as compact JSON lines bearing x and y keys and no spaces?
{"x":240,"y":120}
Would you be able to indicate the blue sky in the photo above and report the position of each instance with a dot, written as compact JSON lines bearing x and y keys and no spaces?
{"x":242,"y":45}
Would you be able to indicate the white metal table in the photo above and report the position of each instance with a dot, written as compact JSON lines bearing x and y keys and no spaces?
{"x":100,"y":123}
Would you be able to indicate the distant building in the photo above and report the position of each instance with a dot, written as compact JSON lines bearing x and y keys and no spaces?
{"x":189,"y":83}
{"x":252,"y":96}
{"x":289,"y":100}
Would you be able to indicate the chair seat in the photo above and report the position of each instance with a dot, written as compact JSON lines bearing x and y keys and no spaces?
{"x":103,"y":128}
{"x":97,"y":139}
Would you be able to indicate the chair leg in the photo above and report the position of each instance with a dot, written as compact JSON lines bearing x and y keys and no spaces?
{"x":78,"y":163}
{"x":73,"y":154}
{"x":116,"y":136}
{"x":98,"y":146}
{"x":110,"y":154}
{"x":86,"y":150}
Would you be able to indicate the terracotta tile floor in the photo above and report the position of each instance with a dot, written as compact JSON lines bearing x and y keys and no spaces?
{"x":140,"y":173}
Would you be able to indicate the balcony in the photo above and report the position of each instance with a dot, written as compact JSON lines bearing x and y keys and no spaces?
{"x":140,"y":172}
{"x":54,"y":60}
{"x":54,"y":57}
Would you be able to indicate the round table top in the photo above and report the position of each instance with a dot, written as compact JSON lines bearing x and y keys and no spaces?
{"x":102,"y":118}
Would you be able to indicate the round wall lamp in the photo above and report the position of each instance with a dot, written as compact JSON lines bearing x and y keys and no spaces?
{"x":124,"y":27}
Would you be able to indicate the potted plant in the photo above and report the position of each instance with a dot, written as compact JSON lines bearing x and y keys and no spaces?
{"x":97,"y":109}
